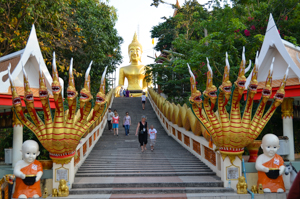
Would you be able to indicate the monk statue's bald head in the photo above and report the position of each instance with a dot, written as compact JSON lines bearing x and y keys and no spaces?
{"x":270,"y":144}
{"x":30,"y":150}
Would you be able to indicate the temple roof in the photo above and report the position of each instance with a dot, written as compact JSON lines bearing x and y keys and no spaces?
{"x":31,"y":56}
{"x":284,"y":53}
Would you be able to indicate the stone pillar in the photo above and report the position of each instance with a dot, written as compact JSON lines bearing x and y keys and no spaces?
{"x":17,"y":140}
{"x":231,"y":166}
{"x":287,"y":119}
{"x":67,"y":170}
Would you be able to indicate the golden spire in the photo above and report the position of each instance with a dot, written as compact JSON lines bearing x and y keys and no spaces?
{"x":135,"y":42}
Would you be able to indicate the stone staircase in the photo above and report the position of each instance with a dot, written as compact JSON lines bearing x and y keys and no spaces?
{"x":116,"y":167}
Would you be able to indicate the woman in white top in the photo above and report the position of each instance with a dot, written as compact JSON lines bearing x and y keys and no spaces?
{"x":143,"y":100}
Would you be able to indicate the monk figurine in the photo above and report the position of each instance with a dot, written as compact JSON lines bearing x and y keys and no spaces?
{"x":270,"y":166}
{"x":28,"y":171}
{"x":241,"y":186}
{"x":135,"y":72}
{"x":63,"y":189}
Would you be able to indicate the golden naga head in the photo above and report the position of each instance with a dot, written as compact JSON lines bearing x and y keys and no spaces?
{"x":281,"y":92}
{"x":135,"y":50}
{"x":254,"y":83}
{"x":241,"y":80}
{"x":15,"y":97}
{"x":226,"y":83}
{"x":85,"y":93}
{"x":267,"y":90}
{"x":71,"y":90}
{"x":195,"y":94}
{"x":211,"y":90}
{"x":100,"y":97}
{"x":43,"y":91}
{"x":28,"y":95}
{"x":56,"y":87}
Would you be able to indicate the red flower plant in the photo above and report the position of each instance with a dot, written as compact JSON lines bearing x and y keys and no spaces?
{"x":247,"y":33}
{"x":252,"y":27}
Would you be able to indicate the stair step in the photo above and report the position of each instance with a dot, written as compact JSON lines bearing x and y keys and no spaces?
{"x":116,"y":168}
{"x":145,"y":174}
{"x":150,"y":190}
{"x":134,"y":170}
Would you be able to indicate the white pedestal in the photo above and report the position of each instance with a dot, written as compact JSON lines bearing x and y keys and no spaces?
{"x":236,"y":166}
{"x":288,"y":131}
{"x":17,"y":144}
{"x":69,"y":168}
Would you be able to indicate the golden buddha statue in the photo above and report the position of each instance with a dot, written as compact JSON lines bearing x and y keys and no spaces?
{"x":135,"y":72}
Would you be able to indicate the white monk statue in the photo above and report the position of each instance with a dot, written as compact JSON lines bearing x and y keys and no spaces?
{"x":28,"y":172}
{"x":270,"y":166}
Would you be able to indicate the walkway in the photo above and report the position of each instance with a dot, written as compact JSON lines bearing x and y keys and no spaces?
{"x":116,"y":168}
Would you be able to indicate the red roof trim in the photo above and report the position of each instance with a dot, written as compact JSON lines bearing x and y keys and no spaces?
{"x":6,"y":100}
{"x":290,"y":91}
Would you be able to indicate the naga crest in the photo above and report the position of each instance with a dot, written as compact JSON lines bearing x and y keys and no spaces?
{"x":196,"y":96}
{"x":60,"y":134}
{"x":234,"y":130}
{"x":211,"y":90}
{"x":226,"y":85}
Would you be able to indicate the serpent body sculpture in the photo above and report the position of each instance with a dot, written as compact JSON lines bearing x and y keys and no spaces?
{"x":60,"y":134}
{"x":232,"y":131}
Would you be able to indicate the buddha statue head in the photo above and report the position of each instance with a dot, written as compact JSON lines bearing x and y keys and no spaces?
{"x":135,"y":50}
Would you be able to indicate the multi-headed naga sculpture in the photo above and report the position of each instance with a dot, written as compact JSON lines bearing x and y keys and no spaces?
{"x":60,"y":135}
{"x":232,"y":131}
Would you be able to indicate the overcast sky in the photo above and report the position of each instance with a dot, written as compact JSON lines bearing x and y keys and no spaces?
{"x":138,"y":16}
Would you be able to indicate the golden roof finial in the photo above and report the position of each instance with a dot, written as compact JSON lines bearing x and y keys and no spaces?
{"x":135,"y":42}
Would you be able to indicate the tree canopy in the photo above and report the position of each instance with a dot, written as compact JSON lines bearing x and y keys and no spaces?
{"x":82,"y":29}
{"x":229,"y":28}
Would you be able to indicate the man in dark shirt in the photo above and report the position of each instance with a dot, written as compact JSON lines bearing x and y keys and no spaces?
{"x":295,"y":189}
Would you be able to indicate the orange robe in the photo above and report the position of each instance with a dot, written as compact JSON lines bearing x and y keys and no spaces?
{"x":22,"y":188}
{"x":272,"y":184}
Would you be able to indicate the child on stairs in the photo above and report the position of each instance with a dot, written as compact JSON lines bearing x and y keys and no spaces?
{"x":152,"y":135}
{"x":116,"y":119}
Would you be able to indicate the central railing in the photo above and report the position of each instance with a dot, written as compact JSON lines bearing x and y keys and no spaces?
{"x":196,"y":144}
